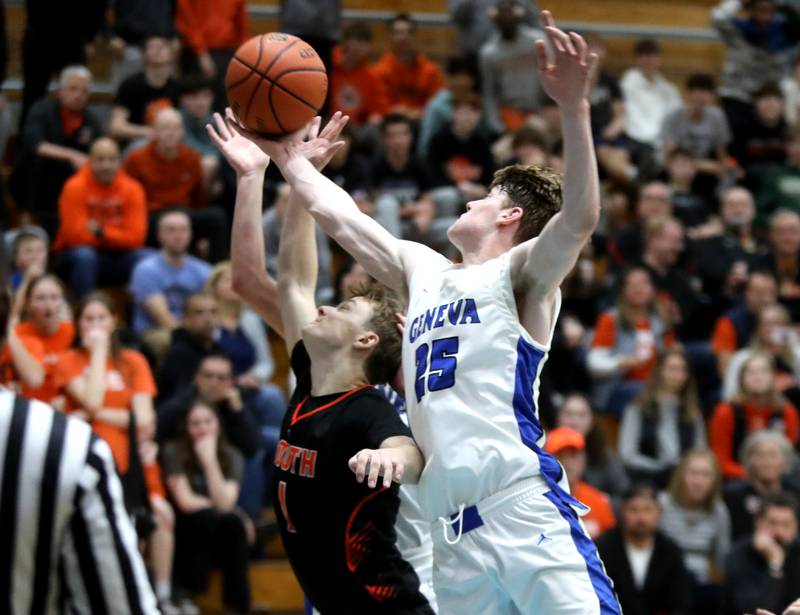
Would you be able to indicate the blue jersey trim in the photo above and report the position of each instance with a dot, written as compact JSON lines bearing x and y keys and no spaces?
{"x":603,"y":587}
{"x":529,"y":359}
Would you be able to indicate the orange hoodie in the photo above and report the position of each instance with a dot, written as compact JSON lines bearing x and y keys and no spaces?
{"x":119,"y":208}
{"x":168,"y":183}
{"x":212,"y":24}
{"x":411,"y":86}
{"x":355,"y":91}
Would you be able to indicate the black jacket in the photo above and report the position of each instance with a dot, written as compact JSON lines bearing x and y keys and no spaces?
{"x":240,"y":429}
{"x":181,"y":361}
{"x":749,"y":584}
{"x":667,"y":589}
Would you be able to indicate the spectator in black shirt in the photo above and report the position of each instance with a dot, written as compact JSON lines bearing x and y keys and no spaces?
{"x":783,"y":259}
{"x":646,"y":567}
{"x":189,"y":344}
{"x":55,"y":142}
{"x":203,"y":475}
{"x":141,"y":96}
{"x":687,"y":204}
{"x":460,"y":152}
{"x":763,"y":570}
{"x":335,"y":417}
{"x":724,"y":241}
{"x":350,"y":169}
{"x":626,"y":246}
{"x":405,"y":203}
{"x":767,"y":457}
{"x":663,"y":246}
{"x":760,"y":144}
{"x":213,"y":383}
{"x":134,"y":21}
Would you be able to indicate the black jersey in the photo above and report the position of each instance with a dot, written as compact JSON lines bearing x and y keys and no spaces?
{"x":338,"y":533}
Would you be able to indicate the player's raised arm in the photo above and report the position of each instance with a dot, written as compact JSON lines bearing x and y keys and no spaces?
{"x":248,"y":261}
{"x":539,"y":265}
{"x":385,"y":257}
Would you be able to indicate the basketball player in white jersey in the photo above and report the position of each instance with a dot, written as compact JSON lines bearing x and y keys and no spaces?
{"x":478,"y":333}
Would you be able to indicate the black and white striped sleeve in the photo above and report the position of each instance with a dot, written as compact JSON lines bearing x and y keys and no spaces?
{"x":101,"y":569}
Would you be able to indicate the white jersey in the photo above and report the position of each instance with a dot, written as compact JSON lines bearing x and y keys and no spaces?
{"x":471,"y":378}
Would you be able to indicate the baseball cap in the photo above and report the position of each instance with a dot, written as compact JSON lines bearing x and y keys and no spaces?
{"x":561,"y":438}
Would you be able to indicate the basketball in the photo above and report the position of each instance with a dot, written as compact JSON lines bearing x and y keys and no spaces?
{"x":276,"y":83}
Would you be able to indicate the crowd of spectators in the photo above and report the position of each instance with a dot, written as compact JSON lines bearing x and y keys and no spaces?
{"x":673,"y":383}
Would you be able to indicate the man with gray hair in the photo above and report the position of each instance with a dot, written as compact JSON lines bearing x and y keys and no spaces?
{"x":55,"y":140}
{"x":768,"y":457}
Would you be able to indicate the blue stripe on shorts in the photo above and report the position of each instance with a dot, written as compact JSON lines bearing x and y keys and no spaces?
{"x":609,"y":605}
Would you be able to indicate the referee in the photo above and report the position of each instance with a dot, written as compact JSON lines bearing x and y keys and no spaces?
{"x":67,"y":544}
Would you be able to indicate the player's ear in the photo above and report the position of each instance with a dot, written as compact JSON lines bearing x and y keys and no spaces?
{"x":366,"y":340}
{"x":509,"y":215}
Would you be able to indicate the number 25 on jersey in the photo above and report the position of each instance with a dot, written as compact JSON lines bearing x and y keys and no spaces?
{"x":436,"y":366}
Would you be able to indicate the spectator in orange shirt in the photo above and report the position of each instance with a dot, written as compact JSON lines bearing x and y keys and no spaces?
{"x":103,"y":216}
{"x":567,"y":445}
{"x":104,"y":384}
{"x":211,"y":30}
{"x":172,"y":175}
{"x":32,"y":345}
{"x":735,"y":327}
{"x":627,"y":342}
{"x":354,"y":88}
{"x":759,"y":405}
{"x":407,"y":78}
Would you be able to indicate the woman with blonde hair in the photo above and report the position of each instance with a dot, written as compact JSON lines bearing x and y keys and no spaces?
{"x":663,"y":422}
{"x":242,"y":337}
{"x":696,"y":518}
{"x":758,"y":405}
{"x":773,"y":335}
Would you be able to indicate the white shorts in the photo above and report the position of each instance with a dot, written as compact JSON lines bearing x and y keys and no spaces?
{"x":523,"y":551}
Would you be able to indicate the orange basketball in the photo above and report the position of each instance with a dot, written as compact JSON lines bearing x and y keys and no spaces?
{"x":276,"y":83}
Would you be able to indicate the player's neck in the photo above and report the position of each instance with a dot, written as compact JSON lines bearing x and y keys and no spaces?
{"x":483,"y":252}
{"x":334,"y":373}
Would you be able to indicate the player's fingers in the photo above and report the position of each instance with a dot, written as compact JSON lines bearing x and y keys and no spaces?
{"x":332,"y":128}
{"x":547,"y":19}
{"x":581,"y":47}
{"x":214,"y":136}
{"x":388,"y":472}
{"x":399,"y":470}
{"x":557,"y":39}
{"x":374,"y":468}
{"x":541,"y":55}
{"x":594,"y":59}
{"x":313,"y":128}
{"x":222,"y":128}
{"x":361,"y":466}
{"x":401,"y":322}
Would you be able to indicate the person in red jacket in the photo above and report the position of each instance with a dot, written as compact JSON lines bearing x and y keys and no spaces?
{"x":103,"y":215}
{"x":211,"y":31}
{"x":759,"y":405}
{"x":407,"y":78}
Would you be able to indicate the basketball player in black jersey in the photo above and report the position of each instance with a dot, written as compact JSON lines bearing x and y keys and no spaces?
{"x":337,"y":527}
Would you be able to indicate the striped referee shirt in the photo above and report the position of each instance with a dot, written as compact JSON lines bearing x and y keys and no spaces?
{"x":67,"y":544}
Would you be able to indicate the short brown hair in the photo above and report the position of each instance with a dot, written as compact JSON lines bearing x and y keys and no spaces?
{"x":536,"y":190}
{"x":384,"y":361}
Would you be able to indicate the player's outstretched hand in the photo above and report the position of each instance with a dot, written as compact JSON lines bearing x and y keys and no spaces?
{"x":239,"y":150}
{"x":374,"y":463}
{"x":568,"y":79}
{"x":308,"y":142}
